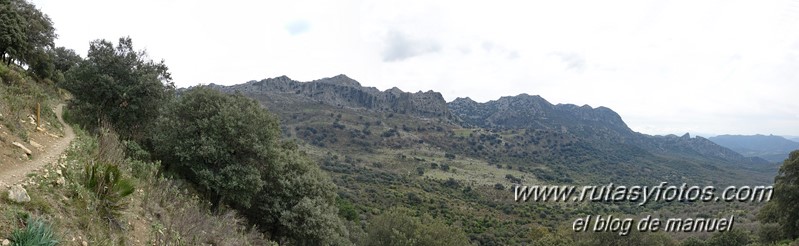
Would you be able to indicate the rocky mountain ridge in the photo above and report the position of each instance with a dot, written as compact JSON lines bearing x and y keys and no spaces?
{"x":342,"y":91}
{"x":526,"y":111}
{"x":601,"y":127}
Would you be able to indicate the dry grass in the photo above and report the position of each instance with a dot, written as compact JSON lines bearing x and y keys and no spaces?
{"x":19,"y":94}
{"x":161,"y":211}
{"x":183,"y":219}
{"x":110,"y":149}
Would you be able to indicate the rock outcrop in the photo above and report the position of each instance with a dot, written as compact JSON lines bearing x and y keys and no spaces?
{"x":342,"y":91}
{"x":526,"y":111}
{"x":600,"y":126}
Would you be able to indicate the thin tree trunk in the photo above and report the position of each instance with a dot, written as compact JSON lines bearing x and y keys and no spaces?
{"x":216,"y":200}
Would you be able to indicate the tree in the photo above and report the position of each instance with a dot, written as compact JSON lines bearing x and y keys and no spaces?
{"x":41,"y":64}
{"x":39,"y":41}
{"x":769,"y":233}
{"x":219,"y":142}
{"x":298,"y":201}
{"x":784,"y":207}
{"x":121,"y":85}
{"x":26,"y":34}
{"x":11,"y":33}
{"x":228,"y":146}
{"x":39,"y":32}
{"x":64,"y":59}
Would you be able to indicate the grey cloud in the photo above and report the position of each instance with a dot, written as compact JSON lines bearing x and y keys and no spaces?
{"x":400,"y":47}
{"x":298,"y":27}
{"x":465,"y":50}
{"x":492,"y":47}
{"x":488,"y":46}
{"x":573,"y":61}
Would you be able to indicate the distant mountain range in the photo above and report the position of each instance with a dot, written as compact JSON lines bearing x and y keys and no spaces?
{"x":600,"y":125}
{"x":460,"y":159}
{"x":577,"y":140}
{"x":772,"y":148}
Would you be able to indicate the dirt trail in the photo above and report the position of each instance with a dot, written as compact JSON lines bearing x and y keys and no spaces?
{"x":15,"y":173}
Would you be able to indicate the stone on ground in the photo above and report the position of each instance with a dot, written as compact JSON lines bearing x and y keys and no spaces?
{"x":27,"y":151}
{"x":18,"y":194}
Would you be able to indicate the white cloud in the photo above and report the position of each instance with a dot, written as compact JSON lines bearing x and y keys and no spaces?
{"x":667,"y":67}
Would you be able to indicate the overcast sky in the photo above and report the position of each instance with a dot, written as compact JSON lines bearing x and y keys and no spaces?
{"x":707,"y":67}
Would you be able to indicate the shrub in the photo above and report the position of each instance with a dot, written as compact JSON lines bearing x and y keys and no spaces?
{"x":144,"y":170}
{"x":346,"y":209}
{"x":734,"y":237}
{"x":452,"y":183}
{"x":513,"y":179}
{"x":135,"y":151}
{"x":9,"y":76}
{"x":398,"y":227}
{"x":36,"y":232}
{"x":692,"y":241}
{"x":769,"y":233}
{"x":414,"y":199}
{"x":389,"y":133}
{"x":105,"y":181}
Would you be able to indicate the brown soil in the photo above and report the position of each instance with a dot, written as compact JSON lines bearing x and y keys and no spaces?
{"x":15,"y":165}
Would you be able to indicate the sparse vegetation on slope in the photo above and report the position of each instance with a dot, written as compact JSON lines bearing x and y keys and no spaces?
{"x":338,"y":164}
{"x":157,"y":211}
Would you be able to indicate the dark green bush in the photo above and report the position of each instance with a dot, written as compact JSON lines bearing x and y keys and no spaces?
{"x":229,"y":148}
{"x":734,"y":237}
{"x":346,"y":209}
{"x":135,"y":151}
{"x":692,"y":241}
